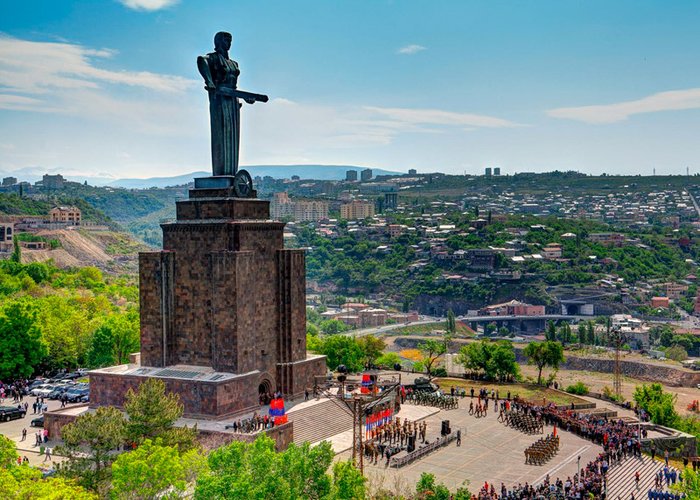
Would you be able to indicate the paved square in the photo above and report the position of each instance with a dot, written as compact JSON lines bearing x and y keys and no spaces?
{"x":490,"y":451}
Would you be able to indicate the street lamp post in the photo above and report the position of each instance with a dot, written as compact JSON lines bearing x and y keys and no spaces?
{"x":578,"y":469}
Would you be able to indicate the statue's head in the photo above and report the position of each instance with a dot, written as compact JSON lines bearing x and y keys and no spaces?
{"x":222,"y":41}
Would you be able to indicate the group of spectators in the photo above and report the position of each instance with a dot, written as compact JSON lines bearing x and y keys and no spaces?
{"x":15,"y":389}
{"x":252,"y":424}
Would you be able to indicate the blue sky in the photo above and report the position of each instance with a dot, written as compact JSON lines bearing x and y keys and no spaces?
{"x":110,"y":88}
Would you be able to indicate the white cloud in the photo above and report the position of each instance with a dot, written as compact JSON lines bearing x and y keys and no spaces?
{"x":18,"y":102}
{"x":149,"y":5}
{"x":43,"y":67}
{"x":441,"y":117}
{"x":410,"y":49}
{"x":610,"y":113}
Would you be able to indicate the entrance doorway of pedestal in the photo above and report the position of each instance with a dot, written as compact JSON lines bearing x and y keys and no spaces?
{"x":265,"y":391}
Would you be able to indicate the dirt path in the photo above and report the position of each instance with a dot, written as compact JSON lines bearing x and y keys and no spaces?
{"x":596,"y":381}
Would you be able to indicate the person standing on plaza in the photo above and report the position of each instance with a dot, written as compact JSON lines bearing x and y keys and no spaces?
{"x":24,"y":434}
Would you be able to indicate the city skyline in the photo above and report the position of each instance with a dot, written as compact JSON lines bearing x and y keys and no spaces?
{"x":112,"y":90}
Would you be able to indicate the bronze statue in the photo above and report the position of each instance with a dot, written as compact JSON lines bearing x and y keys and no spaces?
{"x":220,"y":80}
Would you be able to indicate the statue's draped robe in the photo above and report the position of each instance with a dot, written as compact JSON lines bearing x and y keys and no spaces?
{"x":224,"y":115}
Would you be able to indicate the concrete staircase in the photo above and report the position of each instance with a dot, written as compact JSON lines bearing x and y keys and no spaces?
{"x":621,"y":478}
{"x":319,"y":421}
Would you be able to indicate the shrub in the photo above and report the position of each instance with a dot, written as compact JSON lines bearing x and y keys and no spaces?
{"x":609,"y":394}
{"x":439,"y":372}
{"x":579,"y":388}
{"x":676,"y":353}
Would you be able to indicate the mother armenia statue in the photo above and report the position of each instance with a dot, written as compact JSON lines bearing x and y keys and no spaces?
{"x":220,"y":80}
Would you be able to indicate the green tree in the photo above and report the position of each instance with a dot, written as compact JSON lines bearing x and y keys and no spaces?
{"x":152,"y":414}
{"x":154,"y":470}
{"x":495,"y":359}
{"x":16,"y":252}
{"x":372,"y":347}
{"x":388,"y":360}
{"x":256,"y":470}
{"x":690,"y":486}
{"x":590,"y":330}
{"x":348,"y":482}
{"x":26,"y":483}
{"x":431,"y":350}
{"x":660,"y":405}
{"x":115,"y":339}
{"x":582,"y":335}
{"x":543,"y":354}
{"x":551,"y":331}
{"x":21,"y":345}
{"x":333,"y":326}
{"x":677,"y":353}
{"x":450,"y":324}
{"x":312,"y":329}
{"x":8,"y":452}
{"x":666,"y":338}
{"x":342,"y":350}
{"x":89,"y":444}
{"x":428,"y":488}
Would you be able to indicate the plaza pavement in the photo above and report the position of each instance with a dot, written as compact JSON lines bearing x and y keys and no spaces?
{"x":490,"y":452}
{"x":13,"y":430}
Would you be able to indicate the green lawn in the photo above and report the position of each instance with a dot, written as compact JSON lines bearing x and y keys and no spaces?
{"x":529,"y":392}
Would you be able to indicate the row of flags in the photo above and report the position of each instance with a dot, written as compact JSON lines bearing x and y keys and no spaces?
{"x":378,"y":419}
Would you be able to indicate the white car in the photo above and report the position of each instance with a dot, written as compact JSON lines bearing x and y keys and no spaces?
{"x":43,"y":390}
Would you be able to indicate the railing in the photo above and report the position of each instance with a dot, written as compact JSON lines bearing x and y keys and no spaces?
{"x":422,"y":451}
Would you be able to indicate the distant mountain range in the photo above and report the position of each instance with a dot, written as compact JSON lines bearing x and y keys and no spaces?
{"x":318,"y":172}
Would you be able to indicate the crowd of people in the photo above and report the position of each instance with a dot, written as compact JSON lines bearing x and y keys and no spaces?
{"x":252,"y":424}
{"x":15,"y":389}
{"x":618,"y":439}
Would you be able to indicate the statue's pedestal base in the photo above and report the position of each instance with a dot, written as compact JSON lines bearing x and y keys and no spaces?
{"x":214,"y":182}
{"x":217,"y":186}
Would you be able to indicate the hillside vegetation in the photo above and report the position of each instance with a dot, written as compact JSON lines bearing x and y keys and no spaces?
{"x":12,"y":204}
{"x":52,"y":318}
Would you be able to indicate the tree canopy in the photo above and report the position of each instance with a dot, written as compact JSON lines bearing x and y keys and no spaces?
{"x":154,"y":470}
{"x":541,"y":354}
{"x":495,"y":359}
{"x":152,"y":414}
{"x":432,"y":350}
{"x":256,"y":470}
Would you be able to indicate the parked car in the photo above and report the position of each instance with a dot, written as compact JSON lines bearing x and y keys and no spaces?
{"x":8,"y":413}
{"x":42,"y":390}
{"x":36,"y":383}
{"x":37,"y":422}
{"x":59,"y":390}
{"x":76,"y":394}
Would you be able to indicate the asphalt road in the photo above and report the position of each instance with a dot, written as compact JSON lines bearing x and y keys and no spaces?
{"x":13,"y":430}
{"x":375,"y":330}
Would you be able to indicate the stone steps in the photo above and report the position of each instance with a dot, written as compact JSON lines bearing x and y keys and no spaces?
{"x":319,"y":421}
{"x":621,"y":478}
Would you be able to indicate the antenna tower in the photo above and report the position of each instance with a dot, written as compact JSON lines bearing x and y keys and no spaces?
{"x":617,"y":339}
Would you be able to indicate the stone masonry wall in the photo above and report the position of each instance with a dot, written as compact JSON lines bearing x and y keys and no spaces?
{"x":200,"y":399}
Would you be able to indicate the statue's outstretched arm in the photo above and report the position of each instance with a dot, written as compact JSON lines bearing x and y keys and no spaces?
{"x":203,"y":67}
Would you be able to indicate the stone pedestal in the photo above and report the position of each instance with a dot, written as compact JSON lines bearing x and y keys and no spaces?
{"x":223,"y":296}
